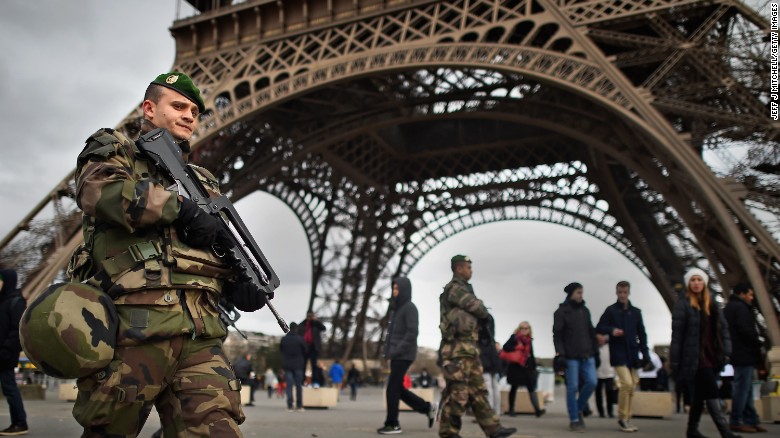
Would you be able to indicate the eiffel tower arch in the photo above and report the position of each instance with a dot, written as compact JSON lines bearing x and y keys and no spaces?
{"x":389,"y":126}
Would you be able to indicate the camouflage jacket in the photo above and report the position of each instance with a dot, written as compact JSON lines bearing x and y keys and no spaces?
{"x":460,"y":315}
{"x":132,"y":251}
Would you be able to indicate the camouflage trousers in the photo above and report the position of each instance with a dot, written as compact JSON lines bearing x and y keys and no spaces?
{"x":189,"y":381}
{"x":465,"y":386}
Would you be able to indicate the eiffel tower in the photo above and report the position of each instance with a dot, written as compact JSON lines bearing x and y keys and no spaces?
{"x":388,"y":126}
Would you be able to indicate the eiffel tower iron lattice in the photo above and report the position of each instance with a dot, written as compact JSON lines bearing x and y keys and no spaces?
{"x":388,"y":126}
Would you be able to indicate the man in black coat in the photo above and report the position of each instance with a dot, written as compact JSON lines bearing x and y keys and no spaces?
{"x":401,"y":349}
{"x":311,"y":329}
{"x":745,"y":356}
{"x":245,"y":372}
{"x":575,"y":342}
{"x":623,"y":323}
{"x":12,"y":306}
{"x":293,"y":362}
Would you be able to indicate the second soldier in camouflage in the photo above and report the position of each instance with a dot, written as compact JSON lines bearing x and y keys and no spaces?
{"x":461,"y":311}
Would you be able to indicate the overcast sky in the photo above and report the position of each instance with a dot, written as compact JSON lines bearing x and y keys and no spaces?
{"x":69,"y":68}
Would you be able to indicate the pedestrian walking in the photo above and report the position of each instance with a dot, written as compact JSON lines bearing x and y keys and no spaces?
{"x":353,"y":379}
{"x":401,"y":350}
{"x":293,"y":350}
{"x":491,"y":363}
{"x":311,"y":329}
{"x":425,"y":380}
{"x":628,"y":350}
{"x":745,"y":357}
{"x":460,"y":313}
{"x":336,"y":374}
{"x":518,"y":352}
{"x":606,"y":393}
{"x":700,"y":345}
{"x":648,"y":374}
{"x":245,"y":372}
{"x":575,"y":343}
{"x":12,"y":306}
{"x":269,"y":380}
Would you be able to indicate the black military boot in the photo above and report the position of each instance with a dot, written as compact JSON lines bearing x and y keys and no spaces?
{"x":503,"y":432}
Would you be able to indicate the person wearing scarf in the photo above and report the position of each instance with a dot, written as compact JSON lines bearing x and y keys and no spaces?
{"x":523,"y":372}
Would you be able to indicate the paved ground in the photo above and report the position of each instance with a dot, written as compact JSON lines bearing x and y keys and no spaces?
{"x":361,"y":418}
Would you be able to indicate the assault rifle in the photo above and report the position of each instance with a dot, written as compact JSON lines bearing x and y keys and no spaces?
{"x":246,"y":257}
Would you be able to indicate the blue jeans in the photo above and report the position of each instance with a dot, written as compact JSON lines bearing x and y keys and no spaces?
{"x":577,"y":369}
{"x":13,"y":396}
{"x":742,"y":409}
{"x":294,"y":378}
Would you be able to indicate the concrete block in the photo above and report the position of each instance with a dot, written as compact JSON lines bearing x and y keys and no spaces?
{"x":652,"y":404}
{"x":771,"y":409}
{"x":319,"y":397}
{"x":68,"y":390}
{"x":522,"y":401}
{"x":245,"y":394}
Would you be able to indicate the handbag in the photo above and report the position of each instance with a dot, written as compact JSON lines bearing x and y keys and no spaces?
{"x":510,"y":356}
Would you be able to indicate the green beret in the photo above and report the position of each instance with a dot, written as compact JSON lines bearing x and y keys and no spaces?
{"x":460,"y":258}
{"x":182,"y":84}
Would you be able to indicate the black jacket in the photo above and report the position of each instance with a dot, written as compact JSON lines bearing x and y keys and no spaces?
{"x":317,"y":328}
{"x":624,"y":350}
{"x":573,"y":333}
{"x":488,"y":355}
{"x":293,"y":351}
{"x":401,"y":340}
{"x":243,"y":369}
{"x":686,"y":339}
{"x":12,"y":306}
{"x":745,"y":343}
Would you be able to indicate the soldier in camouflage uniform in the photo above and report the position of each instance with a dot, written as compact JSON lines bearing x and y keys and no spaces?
{"x":153,"y":253}
{"x":461,"y":312}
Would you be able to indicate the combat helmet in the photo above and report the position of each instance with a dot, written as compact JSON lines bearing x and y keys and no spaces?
{"x":69,"y":331}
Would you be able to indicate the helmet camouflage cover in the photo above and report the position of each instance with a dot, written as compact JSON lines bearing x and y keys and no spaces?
{"x":69,"y":330}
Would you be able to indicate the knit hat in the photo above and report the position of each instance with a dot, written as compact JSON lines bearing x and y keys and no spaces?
{"x":571,"y":287}
{"x":696,"y":271}
{"x":183,"y":85}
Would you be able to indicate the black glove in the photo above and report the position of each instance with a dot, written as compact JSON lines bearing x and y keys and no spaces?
{"x":647,"y":364}
{"x":199,"y":229}
{"x":245,"y":296}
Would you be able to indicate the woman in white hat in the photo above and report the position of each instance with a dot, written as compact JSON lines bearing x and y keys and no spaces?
{"x":700,"y":348}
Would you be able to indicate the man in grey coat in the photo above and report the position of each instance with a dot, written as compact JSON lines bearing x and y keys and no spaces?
{"x":401,"y":349}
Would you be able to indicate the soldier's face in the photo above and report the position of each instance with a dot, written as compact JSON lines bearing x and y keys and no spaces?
{"x":173,"y":112}
{"x":464,"y":270}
